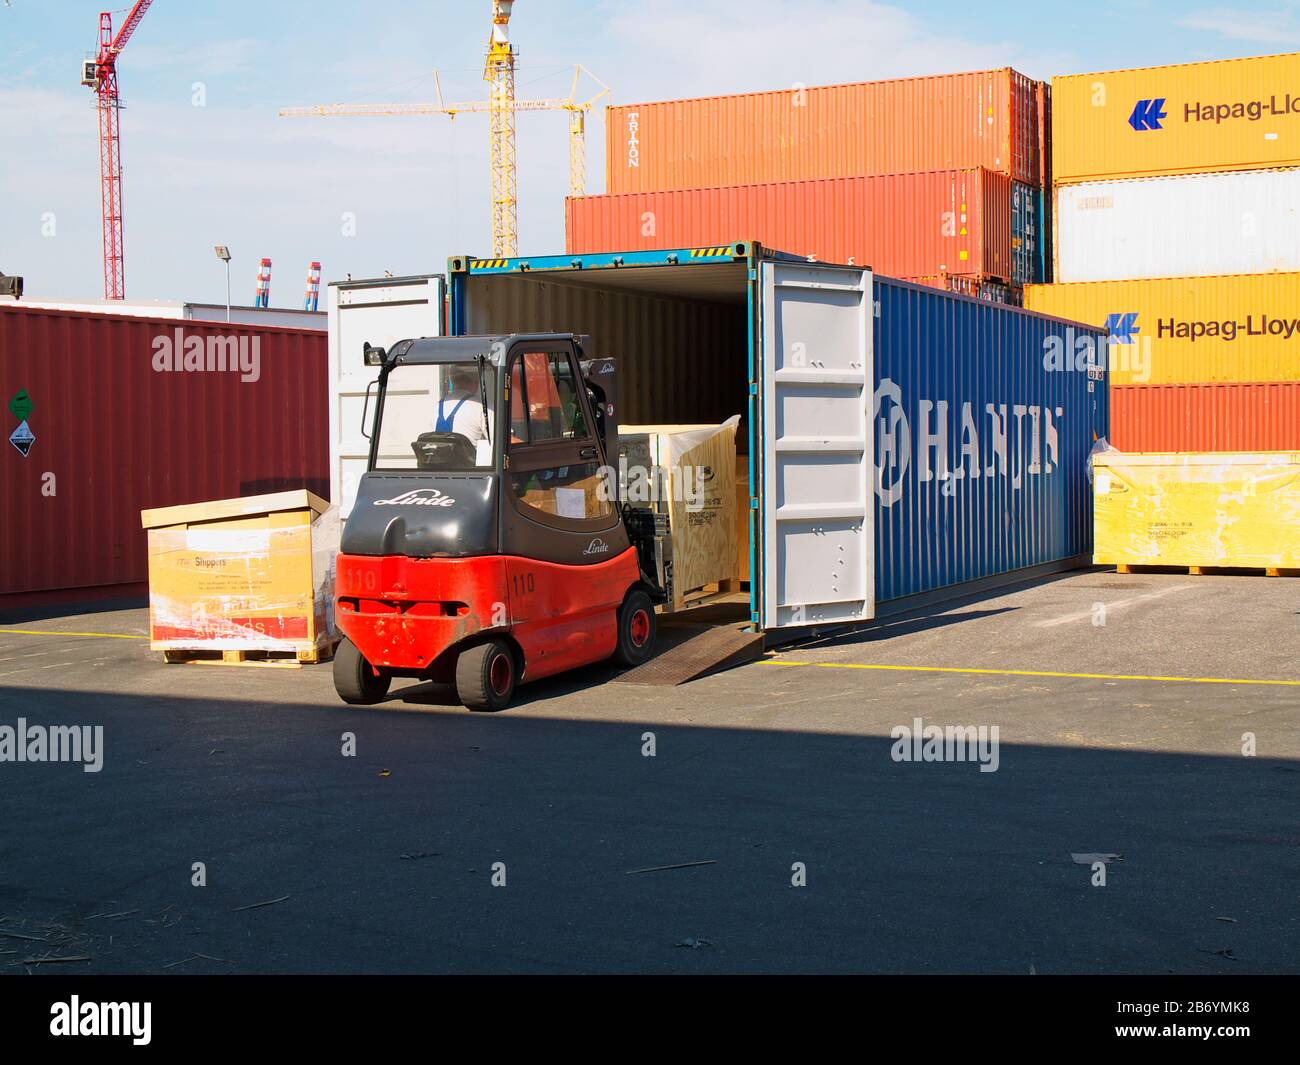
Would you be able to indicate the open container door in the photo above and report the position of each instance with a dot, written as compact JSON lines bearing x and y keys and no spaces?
{"x":817,"y":501}
{"x":382,"y":311}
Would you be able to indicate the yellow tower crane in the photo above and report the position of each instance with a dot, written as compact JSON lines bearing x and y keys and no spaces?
{"x":501,"y":105}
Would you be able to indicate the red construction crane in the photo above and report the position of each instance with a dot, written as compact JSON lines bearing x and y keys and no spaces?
{"x":100,"y":74}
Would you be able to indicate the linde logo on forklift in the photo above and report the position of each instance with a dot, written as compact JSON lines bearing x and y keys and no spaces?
{"x":418,"y":497}
{"x":1022,"y":439}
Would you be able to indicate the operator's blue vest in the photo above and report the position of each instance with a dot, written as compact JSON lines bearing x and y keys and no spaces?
{"x":445,"y":420}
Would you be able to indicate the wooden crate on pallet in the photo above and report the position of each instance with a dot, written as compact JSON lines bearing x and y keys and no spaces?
{"x":243,"y":581}
{"x":694,"y":477}
{"x":1198,"y":512}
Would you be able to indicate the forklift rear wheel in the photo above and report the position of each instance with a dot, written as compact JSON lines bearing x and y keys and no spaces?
{"x":636,"y":629}
{"x":355,"y":679}
{"x":485,"y":676}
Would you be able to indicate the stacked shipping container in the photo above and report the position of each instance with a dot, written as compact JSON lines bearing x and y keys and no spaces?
{"x":1177,"y":226}
{"x":958,"y":222}
{"x":937,"y":179}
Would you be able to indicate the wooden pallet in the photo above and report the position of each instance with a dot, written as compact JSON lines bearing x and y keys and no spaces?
{"x":713,"y":592}
{"x":1232,"y":571}
{"x":263,"y":659}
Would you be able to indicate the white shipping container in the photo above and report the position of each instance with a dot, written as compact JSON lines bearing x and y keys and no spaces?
{"x":380,"y":311}
{"x":1191,"y":225}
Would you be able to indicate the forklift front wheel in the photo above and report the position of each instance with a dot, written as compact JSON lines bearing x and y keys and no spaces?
{"x":636,"y":629}
{"x":485,"y":676}
{"x":355,"y":679}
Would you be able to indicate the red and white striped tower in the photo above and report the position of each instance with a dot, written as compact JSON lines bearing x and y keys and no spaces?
{"x":263,"y":297}
{"x":311,"y":301}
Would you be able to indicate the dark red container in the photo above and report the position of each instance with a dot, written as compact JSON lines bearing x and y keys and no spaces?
{"x":1206,"y":417}
{"x":114,"y":436}
{"x":902,"y":225}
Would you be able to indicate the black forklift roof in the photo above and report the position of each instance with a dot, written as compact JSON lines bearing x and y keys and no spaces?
{"x":466,"y":348}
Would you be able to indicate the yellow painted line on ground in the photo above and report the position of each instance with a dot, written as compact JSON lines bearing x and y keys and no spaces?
{"x":101,"y":635}
{"x":1025,"y":672}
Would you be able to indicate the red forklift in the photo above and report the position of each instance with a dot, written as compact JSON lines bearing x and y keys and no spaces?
{"x":487,"y":545}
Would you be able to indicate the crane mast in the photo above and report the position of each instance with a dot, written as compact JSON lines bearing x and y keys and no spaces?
{"x":501,"y":106}
{"x":499,"y":73}
{"x":100,"y":74}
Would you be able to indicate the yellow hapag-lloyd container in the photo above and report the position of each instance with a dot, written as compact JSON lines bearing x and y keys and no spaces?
{"x":1188,"y":330}
{"x":1207,"y":509}
{"x":1229,"y":114}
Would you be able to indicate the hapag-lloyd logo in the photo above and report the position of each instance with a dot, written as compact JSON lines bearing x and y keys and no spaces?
{"x":418,"y":497}
{"x":1020,"y":439}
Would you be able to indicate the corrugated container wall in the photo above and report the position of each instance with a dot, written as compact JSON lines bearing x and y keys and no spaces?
{"x":1242,"y":222}
{"x":988,"y":448}
{"x":908,"y":225}
{"x":1188,"y":330}
{"x":1244,"y":417}
{"x":945,"y":122}
{"x":1229,"y":114}
{"x":115,"y":435}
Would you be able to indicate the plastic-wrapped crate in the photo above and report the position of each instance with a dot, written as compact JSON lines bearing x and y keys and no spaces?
{"x":242,"y":575}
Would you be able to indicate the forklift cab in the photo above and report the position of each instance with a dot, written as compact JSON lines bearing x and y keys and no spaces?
{"x":488,"y":523}
{"x":501,"y":430}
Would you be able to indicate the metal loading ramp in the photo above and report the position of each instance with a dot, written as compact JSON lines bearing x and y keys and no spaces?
{"x":696,"y":643}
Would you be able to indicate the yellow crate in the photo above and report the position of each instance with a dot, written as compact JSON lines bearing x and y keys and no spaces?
{"x":1200,"y":510}
{"x":250,"y":574}
{"x":1188,"y":330}
{"x":1229,"y":114}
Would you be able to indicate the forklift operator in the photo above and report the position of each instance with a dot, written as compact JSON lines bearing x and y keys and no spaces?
{"x":460,"y":411}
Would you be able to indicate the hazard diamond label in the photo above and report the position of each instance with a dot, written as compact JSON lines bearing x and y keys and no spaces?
{"x":22,"y":438}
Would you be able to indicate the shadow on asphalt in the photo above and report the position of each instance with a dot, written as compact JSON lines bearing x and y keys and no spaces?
{"x":383,"y":861}
{"x":49,"y":612}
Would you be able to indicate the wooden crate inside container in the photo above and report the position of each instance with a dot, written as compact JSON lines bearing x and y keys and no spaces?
{"x":703,"y":532}
{"x":243,"y":579}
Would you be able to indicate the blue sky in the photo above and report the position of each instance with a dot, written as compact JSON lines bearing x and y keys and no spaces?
{"x":231,"y":172}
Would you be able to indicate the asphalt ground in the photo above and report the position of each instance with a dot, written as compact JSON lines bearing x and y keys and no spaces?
{"x":1123,"y":738}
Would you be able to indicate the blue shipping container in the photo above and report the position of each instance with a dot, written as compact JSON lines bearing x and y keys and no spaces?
{"x":905,"y":444}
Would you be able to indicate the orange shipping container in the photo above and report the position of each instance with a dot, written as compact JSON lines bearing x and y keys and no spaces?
{"x":946,"y":122}
{"x":903,"y":225}
{"x":1209,"y":417}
